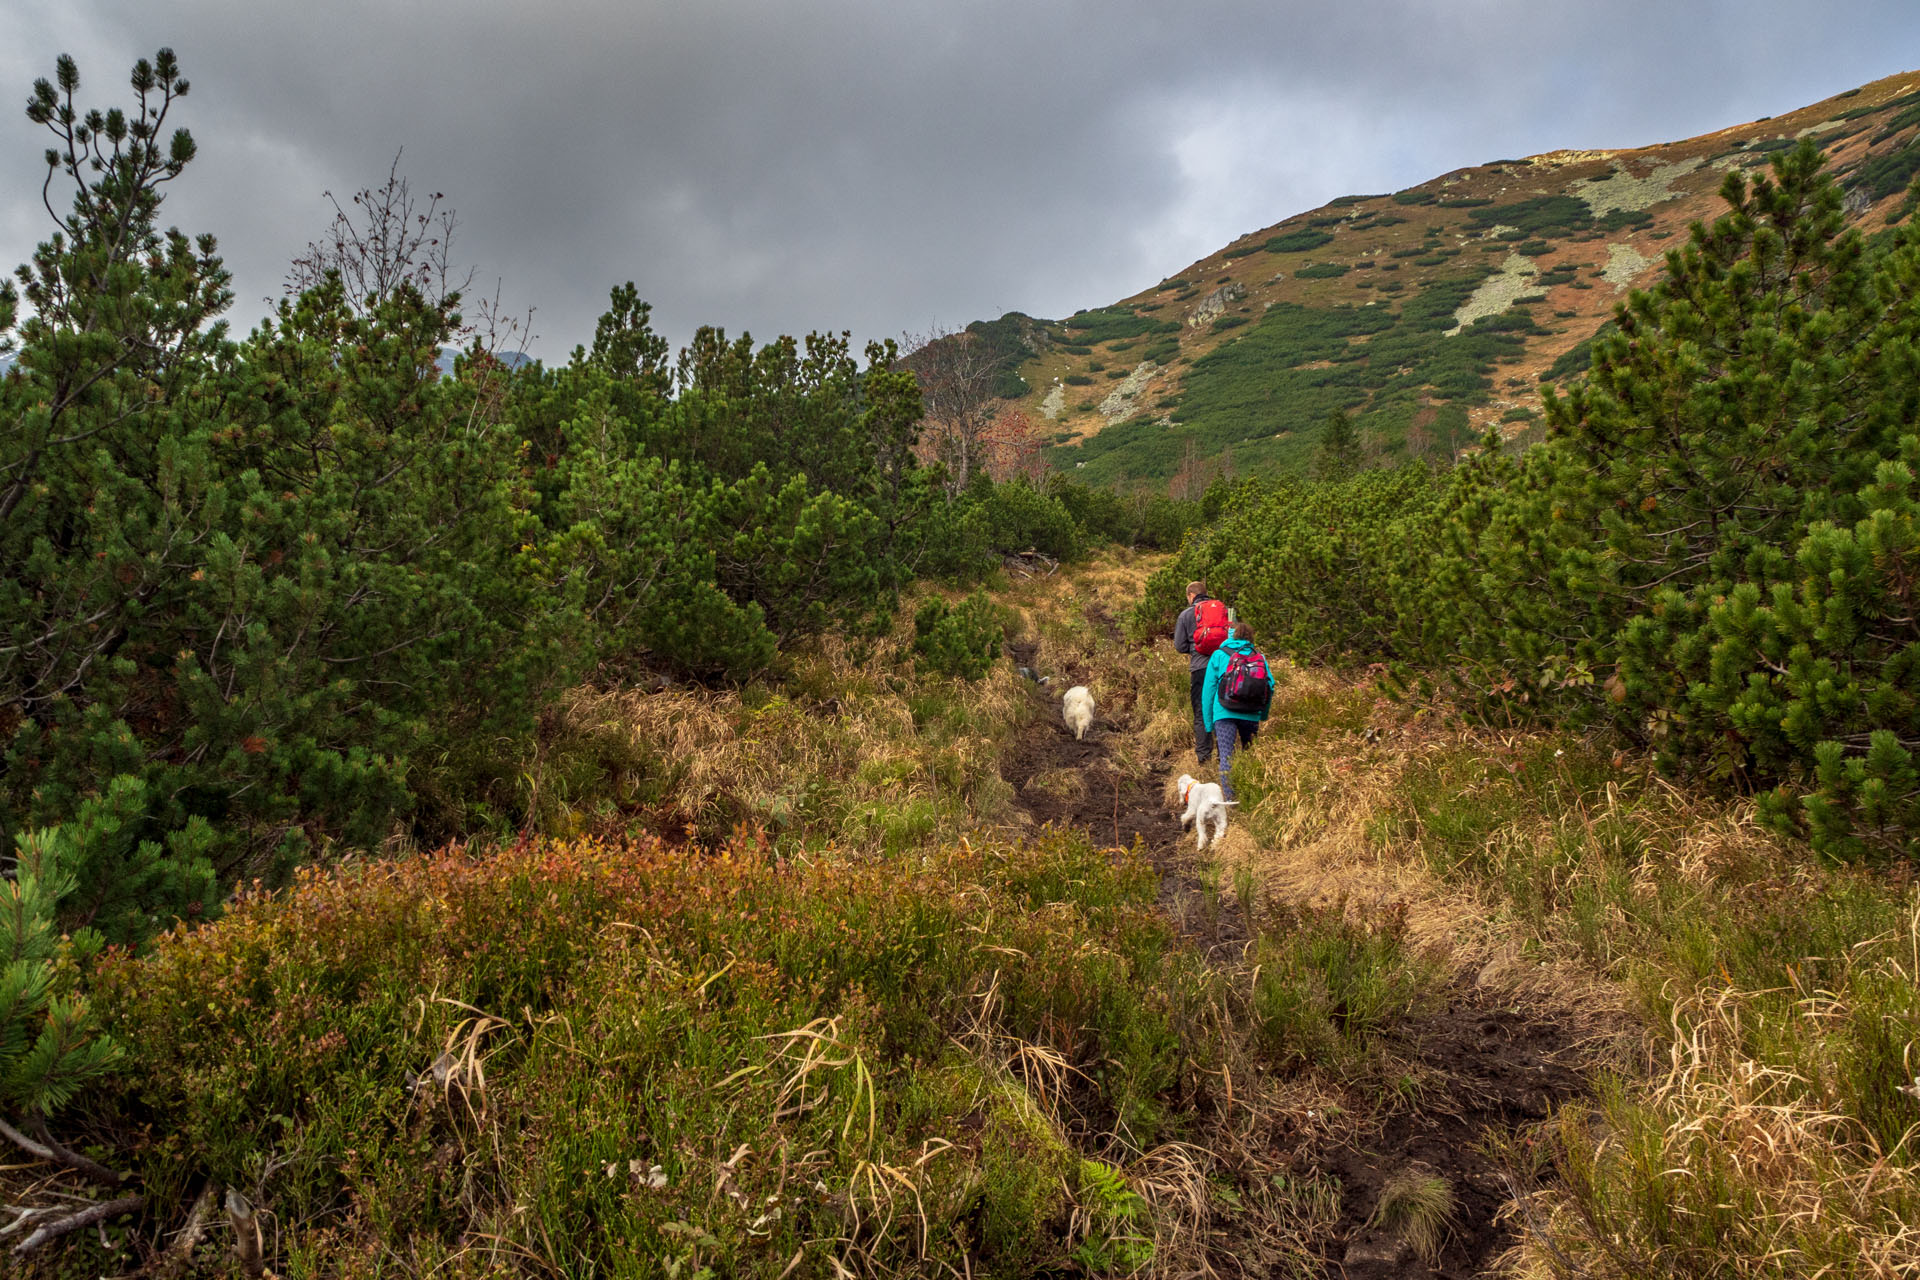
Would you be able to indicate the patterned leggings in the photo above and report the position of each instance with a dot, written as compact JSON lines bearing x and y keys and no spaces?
{"x":1228,"y":737}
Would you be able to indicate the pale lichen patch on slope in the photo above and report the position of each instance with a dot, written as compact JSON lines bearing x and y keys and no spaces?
{"x":1624,"y":265}
{"x":1625,"y":192}
{"x":1513,"y":283}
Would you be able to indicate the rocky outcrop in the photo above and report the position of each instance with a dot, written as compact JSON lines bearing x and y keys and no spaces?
{"x":1056,"y":402}
{"x":1124,"y":400}
{"x":1214,"y":305}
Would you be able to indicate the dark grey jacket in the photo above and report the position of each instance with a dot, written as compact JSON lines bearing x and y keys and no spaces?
{"x":1183,"y":637}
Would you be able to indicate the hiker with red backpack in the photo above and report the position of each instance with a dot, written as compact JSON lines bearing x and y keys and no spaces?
{"x":1203,"y":627}
{"x":1237,"y":694}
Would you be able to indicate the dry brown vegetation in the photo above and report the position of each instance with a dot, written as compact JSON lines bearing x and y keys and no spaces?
{"x":1751,"y":1014}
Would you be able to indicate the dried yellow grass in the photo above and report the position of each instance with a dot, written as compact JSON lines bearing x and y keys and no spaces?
{"x":1316,"y":839}
{"x":1815,"y":1195}
{"x":863,"y":740}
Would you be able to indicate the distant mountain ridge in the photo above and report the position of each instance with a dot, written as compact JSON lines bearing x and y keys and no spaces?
{"x":1429,"y":314}
{"x":510,"y":359}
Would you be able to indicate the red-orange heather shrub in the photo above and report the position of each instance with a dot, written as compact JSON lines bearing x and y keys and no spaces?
{"x":613,"y":1023}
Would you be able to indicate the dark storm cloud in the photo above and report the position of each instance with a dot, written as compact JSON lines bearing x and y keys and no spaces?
{"x":780,"y":167}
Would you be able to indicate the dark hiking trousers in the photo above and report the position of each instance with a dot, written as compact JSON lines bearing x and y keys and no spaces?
{"x":1202,"y":739}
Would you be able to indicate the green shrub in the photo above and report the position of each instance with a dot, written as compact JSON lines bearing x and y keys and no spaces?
{"x":1329,"y":987}
{"x":1025,"y":518}
{"x":610,"y":1021}
{"x":1623,"y":220}
{"x":328,"y":590}
{"x":1884,"y":175}
{"x":1298,"y":241}
{"x":1314,"y":566}
{"x":961,"y":640}
{"x":1322,"y":271}
{"x":1723,"y":612}
{"x":1541,"y":216}
{"x":50,"y":1044}
{"x":1108,"y":324}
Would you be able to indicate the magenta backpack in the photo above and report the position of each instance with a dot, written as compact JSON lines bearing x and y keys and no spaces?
{"x":1246,"y":686}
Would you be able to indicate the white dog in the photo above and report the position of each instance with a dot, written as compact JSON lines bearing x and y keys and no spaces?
{"x":1205,"y":804}
{"x":1077,"y":709}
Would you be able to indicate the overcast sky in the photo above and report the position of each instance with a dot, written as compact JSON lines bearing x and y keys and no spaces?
{"x":893,"y":165}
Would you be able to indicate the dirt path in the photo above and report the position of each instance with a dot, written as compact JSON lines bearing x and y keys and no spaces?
{"x":1487,"y":1072}
{"x":1481,"y":1068}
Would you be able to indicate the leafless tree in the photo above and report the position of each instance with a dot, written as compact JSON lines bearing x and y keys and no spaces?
{"x":382,"y":238}
{"x":956,"y":373}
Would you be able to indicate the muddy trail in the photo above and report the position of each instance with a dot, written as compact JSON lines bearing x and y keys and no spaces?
{"x":1486,"y":1068}
{"x":1103,"y":800}
{"x":1489,"y":1073}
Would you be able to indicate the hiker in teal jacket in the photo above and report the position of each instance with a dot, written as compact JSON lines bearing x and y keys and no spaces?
{"x":1231,"y":729}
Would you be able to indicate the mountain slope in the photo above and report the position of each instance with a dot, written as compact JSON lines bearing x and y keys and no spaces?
{"x":1428,"y":314}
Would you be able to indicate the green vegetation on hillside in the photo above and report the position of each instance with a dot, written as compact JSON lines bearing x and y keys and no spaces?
{"x":266,"y":600}
{"x":1007,"y":347}
{"x":1299,"y":241}
{"x":1710,"y":554}
{"x":655,"y":1054}
{"x":1111,"y":324}
{"x":1267,"y":393}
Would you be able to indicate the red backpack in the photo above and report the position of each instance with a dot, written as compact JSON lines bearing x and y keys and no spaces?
{"x":1209,"y":625}
{"x":1246,"y":686}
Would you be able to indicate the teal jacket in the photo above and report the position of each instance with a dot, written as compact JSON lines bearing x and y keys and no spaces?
{"x":1210,"y":708}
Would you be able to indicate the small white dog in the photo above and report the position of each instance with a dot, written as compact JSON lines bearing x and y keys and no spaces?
{"x":1205,"y":804}
{"x":1076,"y":708}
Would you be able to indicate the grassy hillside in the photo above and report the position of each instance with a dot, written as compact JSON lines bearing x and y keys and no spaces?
{"x":873,"y":972}
{"x":1431,"y":314}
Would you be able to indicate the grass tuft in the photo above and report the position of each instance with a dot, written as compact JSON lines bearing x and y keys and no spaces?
{"x":1417,"y":1206}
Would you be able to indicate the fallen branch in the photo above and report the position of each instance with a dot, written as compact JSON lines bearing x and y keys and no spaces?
{"x":180,"y":1252}
{"x":74,"y":1221}
{"x":246,"y":1234}
{"x":48,"y":1149}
